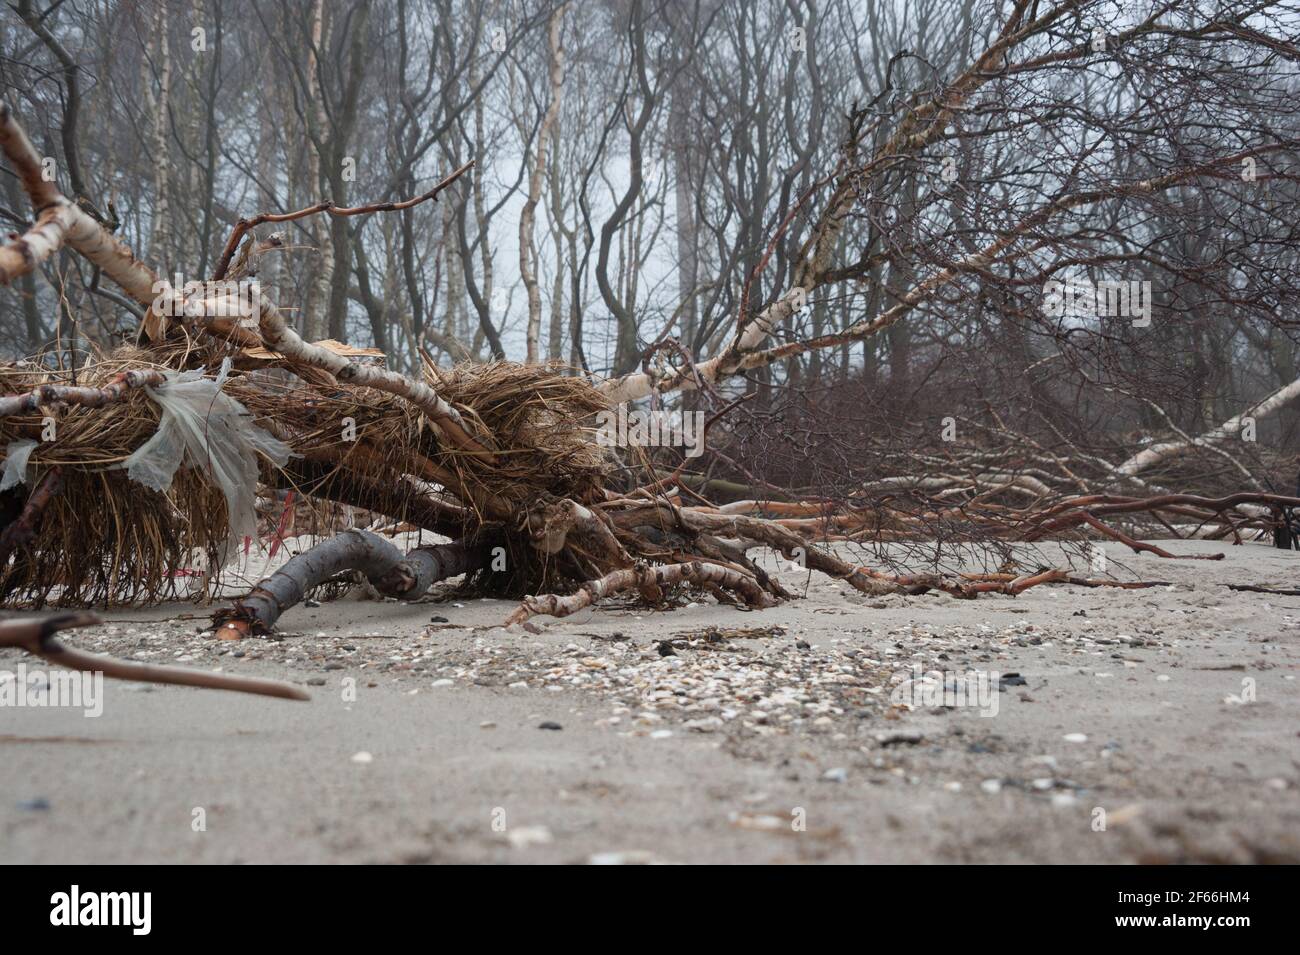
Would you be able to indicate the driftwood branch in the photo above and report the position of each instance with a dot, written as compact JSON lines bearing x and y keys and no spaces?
{"x":36,"y":636}
{"x":649,"y":581}
{"x":392,"y":573}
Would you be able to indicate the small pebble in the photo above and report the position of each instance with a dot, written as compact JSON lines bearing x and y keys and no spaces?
{"x":524,"y":836}
{"x":635,"y":857}
{"x":901,"y":737}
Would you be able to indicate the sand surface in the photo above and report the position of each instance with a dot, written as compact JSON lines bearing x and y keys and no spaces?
{"x":1169,"y":714}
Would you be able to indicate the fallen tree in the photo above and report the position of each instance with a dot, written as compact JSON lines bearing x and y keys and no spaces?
{"x":487,"y":455}
{"x":504,"y":458}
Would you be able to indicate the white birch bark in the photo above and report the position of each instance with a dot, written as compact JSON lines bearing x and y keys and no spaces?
{"x":318,"y":292}
{"x":527,"y":252}
{"x":1153,"y":455}
{"x":160,"y":238}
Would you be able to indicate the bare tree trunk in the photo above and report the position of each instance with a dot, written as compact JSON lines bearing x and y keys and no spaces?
{"x":160,"y":242}
{"x":480,"y":212}
{"x":688,"y":262}
{"x":456,"y":320}
{"x":527,"y":254}
{"x":318,"y":291}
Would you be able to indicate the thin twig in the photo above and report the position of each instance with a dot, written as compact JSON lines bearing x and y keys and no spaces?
{"x":327,"y":206}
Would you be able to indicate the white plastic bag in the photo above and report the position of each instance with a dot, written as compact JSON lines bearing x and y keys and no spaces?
{"x":16,"y":456}
{"x":207,"y":429}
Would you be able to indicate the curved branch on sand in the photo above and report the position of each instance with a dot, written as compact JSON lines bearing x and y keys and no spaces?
{"x":392,"y":573}
{"x":36,"y":636}
{"x":650,"y":581}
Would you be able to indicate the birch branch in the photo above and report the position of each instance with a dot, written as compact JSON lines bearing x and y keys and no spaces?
{"x":1159,"y":452}
{"x":115,"y":390}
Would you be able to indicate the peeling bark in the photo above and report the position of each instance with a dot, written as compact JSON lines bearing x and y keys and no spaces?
{"x":115,"y":390}
{"x":25,"y":253}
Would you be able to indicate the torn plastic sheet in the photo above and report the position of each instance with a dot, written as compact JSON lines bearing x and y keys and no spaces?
{"x":205,"y":428}
{"x":16,"y":456}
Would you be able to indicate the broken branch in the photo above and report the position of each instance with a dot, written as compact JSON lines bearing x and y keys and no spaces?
{"x":36,"y":636}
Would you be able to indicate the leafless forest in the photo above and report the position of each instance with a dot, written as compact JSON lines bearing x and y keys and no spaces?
{"x":954,"y":270}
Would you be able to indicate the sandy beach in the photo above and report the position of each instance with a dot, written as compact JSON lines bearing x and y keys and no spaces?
{"x":1127,"y":726}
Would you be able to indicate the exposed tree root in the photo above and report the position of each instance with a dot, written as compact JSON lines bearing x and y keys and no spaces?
{"x":650,"y":582}
{"x":36,"y":636}
{"x":24,"y":526}
{"x":647,"y":530}
{"x":392,"y":573}
{"x":280,"y":337}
